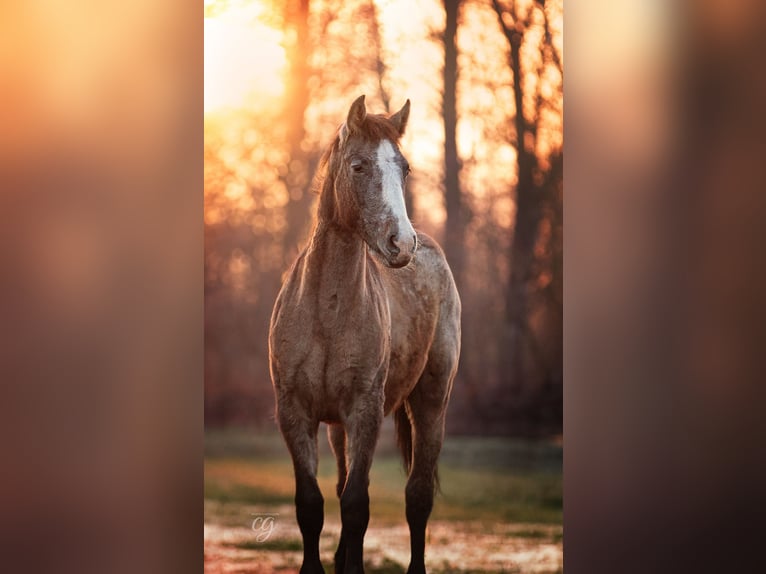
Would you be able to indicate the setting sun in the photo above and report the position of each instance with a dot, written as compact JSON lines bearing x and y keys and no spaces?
{"x":244,"y":58}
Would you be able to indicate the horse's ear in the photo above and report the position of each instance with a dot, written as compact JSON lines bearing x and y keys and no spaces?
{"x":356,"y":115}
{"x":399,"y":119}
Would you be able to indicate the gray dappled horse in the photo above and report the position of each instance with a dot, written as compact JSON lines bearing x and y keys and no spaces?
{"x":367,"y":323}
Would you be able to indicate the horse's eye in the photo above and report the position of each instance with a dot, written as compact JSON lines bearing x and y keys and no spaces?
{"x":407,"y":169}
{"x":357,"y":166}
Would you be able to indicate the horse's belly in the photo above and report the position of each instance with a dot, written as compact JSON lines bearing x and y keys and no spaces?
{"x":404,"y":371}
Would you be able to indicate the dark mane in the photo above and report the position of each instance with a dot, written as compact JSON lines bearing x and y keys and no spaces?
{"x":376,"y":127}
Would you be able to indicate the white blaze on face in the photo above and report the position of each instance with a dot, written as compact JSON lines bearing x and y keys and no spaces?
{"x":393,"y":194}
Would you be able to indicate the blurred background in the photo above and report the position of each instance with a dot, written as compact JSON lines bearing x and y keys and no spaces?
{"x":101,"y":291}
{"x":485,"y":143}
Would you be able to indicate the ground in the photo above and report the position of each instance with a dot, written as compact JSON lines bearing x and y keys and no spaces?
{"x":499,"y":510}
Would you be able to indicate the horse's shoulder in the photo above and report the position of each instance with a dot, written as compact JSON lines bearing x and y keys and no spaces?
{"x":430,"y":248}
{"x":431,"y":255}
{"x":425,"y":240}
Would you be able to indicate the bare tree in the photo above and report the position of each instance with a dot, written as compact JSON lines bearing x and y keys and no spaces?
{"x":537,"y":197}
{"x":297,"y":174}
{"x":454,"y":233}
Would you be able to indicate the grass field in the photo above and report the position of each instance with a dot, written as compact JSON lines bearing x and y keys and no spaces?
{"x":499,"y":510}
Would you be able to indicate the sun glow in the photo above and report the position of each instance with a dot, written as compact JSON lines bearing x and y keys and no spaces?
{"x":257,"y":68}
{"x":244,"y":58}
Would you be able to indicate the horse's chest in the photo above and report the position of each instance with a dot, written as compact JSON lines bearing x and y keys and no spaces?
{"x":355,"y":338}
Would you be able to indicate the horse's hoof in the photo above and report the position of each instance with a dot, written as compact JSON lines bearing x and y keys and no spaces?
{"x":313,"y":568}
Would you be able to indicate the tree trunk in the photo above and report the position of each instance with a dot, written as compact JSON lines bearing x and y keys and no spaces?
{"x":527,"y":219}
{"x":454,"y":243}
{"x":297,"y":175}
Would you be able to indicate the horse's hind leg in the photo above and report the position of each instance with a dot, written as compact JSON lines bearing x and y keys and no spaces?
{"x":336,"y":435}
{"x":427,"y":405}
{"x":301,"y":437}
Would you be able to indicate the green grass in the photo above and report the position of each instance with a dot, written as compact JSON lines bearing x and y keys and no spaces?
{"x":481,"y":479}
{"x":491,"y":494}
{"x":227,"y":491}
{"x":275,"y":545}
{"x":387,"y":566}
{"x":530,"y":533}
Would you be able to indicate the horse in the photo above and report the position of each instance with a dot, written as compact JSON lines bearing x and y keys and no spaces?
{"x":366,"y":324}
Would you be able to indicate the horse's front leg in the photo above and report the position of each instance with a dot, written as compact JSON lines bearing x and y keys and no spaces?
{"x":363,"y":427}
{"x":300,"y":434}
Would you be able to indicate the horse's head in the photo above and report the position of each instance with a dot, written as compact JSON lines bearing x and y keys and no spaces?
{"x":369,"y":182}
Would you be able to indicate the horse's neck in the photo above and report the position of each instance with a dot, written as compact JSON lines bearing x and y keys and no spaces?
{"x":338,"y":258}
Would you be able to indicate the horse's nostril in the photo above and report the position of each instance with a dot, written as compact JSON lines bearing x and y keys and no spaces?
{"x":392,"y":245}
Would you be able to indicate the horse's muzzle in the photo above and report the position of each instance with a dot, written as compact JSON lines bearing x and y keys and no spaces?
{"x":400,"y":249}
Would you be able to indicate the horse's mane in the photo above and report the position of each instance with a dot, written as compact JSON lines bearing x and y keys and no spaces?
{"x":323,"y":167}
{"x":374,"y":128}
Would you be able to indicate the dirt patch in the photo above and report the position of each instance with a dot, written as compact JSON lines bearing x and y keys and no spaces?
{"x":451,"y":547}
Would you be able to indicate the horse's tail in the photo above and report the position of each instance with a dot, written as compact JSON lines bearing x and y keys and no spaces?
{"x":404,"y":436}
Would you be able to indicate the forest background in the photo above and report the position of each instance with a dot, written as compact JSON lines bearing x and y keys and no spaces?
{"x":485,"y":142}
